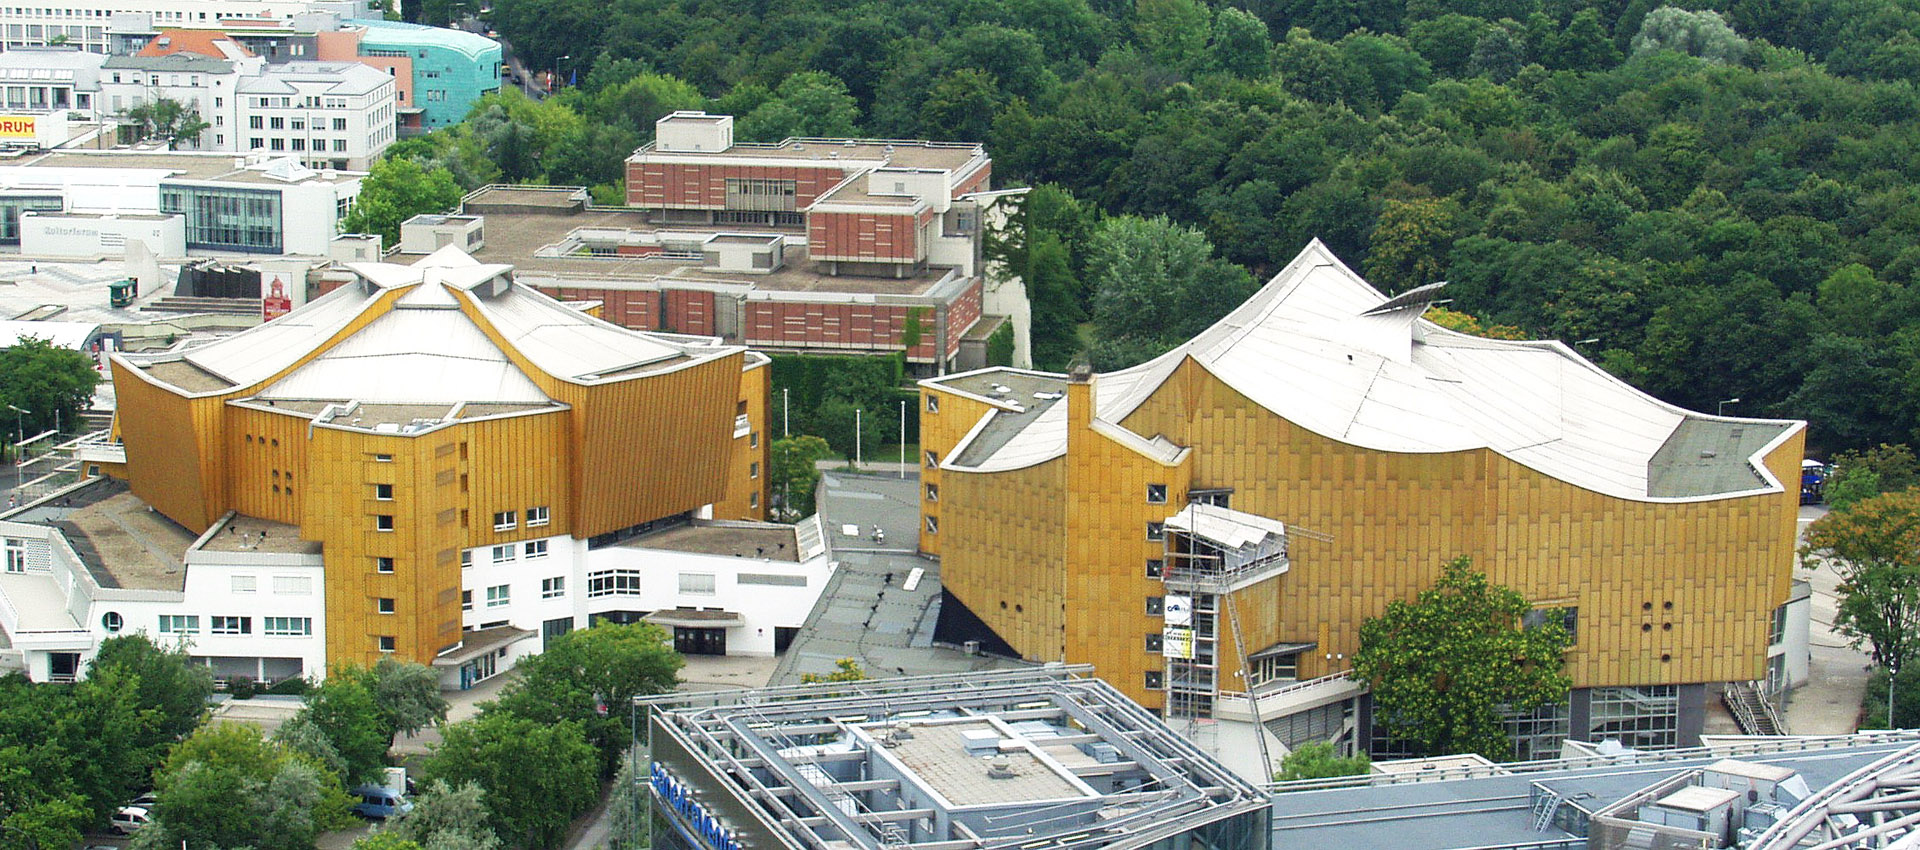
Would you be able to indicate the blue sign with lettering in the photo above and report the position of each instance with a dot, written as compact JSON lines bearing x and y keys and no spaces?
{"x":680,"y":800}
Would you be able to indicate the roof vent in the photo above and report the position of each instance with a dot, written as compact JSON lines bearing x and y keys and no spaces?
{"x":1000,"y":767}
{"x":902,"y":730}
{"x":1706,"y":453}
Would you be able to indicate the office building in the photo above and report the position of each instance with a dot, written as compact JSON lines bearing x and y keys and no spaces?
{"x":1211,"y":528}
{"x":440,"y":72}
{"x":97,"y":27}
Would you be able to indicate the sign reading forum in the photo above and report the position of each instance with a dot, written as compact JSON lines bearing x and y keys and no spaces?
{"x":17,"y":126}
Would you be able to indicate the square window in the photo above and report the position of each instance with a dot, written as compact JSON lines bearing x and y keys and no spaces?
{"x":1156,"y":494}
{"x":1156,"y":606}
{"x":933,"y":525}
{"x":383,"y":565}
{"x":503,"y":553}
{"x":498,"y":595}
{"x":933,"y":492}
{"x":553,"y":588}
{"x":383,"y":522}
{"x":505,"y":520}
{"x":1155,"y":643}
{"x":384,"y":605}
{"x":383,"y":492}
{"x":386,"y":643}
{"x":535,"y":549}
{"x":1156,"y":531}
{"x":933,"y":460}
{"x":466,"y":558}
{"x":1156,"y":680}
{"x":1156,"y":568}
{"x":537,"y":516}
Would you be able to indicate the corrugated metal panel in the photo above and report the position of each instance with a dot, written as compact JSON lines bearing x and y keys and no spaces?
{"x":412,"y":356}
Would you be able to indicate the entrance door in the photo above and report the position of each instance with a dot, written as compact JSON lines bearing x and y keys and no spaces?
{"x":688,"y":641}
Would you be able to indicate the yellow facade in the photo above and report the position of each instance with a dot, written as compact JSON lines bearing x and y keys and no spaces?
{"x":394,"y":510}
{"x":1667,"y":591}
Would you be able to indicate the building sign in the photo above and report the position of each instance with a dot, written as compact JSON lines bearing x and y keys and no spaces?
{"x":17,"y":126}
{"x":1178,"y":610}
{"x":276,"y":304}
{"x":676,"y":796}
{"x":1177,"y":642}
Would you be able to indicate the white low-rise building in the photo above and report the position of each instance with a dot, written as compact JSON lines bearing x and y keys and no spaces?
{"x":244,"y":598}
{"x":327,"y":114}
{"x":91,"y":24}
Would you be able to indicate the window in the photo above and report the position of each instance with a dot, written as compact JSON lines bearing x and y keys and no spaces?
{"x":503,"y":553}
{"x":933,"y":460}
{"x":505,"y":520}
{"x":288,"y":626}
{"x":383,"y":458}
{"x":933,"y":403}
{"x":1156,"y":568}
{"x":339,"y":125}
{"x":1156,"y":531}
{"x":386,"y":643}
{"x":498,"y":595}
{"x":770,"y":580}
{"x":537,"y":516}
{"x":1779,"y":631}
{"x":612,"y":582}
{"x":753,"y":440}
{"x":383,"y":522}
{"x":753,"y":500}
{"x":555,"y":628}
{"x":553,"y":588}
{"x":933,"y":492}
{"x":1156,"y":643}
{"x":339,"y":145}
{"x":383,"y":492}
{"x":1156,"y":606}
{"x":292,"y":585}
{"x":16,"y":555}
{"x":1567,"y":617}
{"x":383,"y":565}
{"x":933,"y":525}
{"x":697,"y":584}
{"x":1276,"y":668}
{"x":1156,"y":494}
{"x":112,"y":621}
{"x":466,"y":600}
{"x":256,"y":122}
{"x":277,"y":123}
{"x":535,"y":549}
{"x":383,"y":604}
{"x":231,"y":625}
{"x":753,"y":470}
{"x":179,"y":624}
{"x":1156,"y":680}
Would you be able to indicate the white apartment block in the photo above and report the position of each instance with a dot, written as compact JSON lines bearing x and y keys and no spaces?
{"x":90,"y":24}
{"x":337,"y":115}
{"x":328,"y":114}
{"x":42,"y":79}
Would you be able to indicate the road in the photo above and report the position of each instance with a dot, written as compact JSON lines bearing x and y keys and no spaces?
{"x":1829,"y":703}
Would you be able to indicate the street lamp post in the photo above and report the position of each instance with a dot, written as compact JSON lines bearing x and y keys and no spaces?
{"x":1722,"y":411}
{"x":553,"y":84}
{"x":858,"y":455}
{"x":785,"y":408}
{"x":19,"y":429}
{"x":903,"y":438}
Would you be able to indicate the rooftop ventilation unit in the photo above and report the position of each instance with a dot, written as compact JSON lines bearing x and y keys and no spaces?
{"x":1000,"y":767}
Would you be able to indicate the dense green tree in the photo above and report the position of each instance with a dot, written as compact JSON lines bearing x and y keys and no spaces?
{"x":226,"y":786}
{"x":585,"y":678}
{"x":537,"y":775}
{"x":50,"y":383}
{"x":1864,"y":474}
{"x":1703,"y":33}
{"x":168,"y":120}
{"x":1319,"y":760}
{"x":1443,"y":666}
{"x":1156,"y":284}
{"x":398,"y":189}
{"x":1874,"y":545}
{"x":406,"y":693}
{"x":344,"y":711}
{"x":795,"y":475}
{"x":447,"y":817}
{"x":167,"y":682}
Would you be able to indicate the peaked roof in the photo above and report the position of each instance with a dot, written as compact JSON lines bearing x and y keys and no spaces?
{"x":1320,"y":347}
{"x":204,"y":42}
{"x":425,"y":348}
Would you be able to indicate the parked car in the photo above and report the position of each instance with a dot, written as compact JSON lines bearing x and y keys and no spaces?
{"x":130,"y":819}
{"x":376,"y":803}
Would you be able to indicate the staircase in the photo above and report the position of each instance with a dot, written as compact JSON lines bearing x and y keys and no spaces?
{"x":1752,"y":711}
{"x":195,"y":304}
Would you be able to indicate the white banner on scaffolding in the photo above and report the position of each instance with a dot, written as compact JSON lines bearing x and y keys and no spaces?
{"x":1178,"y":610}
{"x":1176,"y":642}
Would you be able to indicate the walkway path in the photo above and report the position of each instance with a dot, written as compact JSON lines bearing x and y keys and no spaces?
{"x":1829,"y":703}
